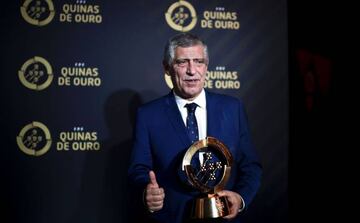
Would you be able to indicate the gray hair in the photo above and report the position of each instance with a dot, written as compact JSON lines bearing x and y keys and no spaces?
{"x":182,"y":40}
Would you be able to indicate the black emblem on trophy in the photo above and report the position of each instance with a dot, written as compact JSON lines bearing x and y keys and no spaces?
{"x":207,"y":164}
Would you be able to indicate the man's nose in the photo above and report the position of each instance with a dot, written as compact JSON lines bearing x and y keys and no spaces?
{"x":191,"y":68}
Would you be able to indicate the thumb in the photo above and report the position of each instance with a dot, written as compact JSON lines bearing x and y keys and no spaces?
{"x":152,"y":177}
{"x":222,"y":193}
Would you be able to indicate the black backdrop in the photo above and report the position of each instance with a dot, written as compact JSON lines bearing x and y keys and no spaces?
{"x":105,"y":60}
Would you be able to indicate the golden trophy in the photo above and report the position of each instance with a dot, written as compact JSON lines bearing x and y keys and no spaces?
{"x":207,"y":164}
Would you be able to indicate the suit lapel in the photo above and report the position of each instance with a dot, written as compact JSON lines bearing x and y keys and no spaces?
{"x":214,"y":116}
{"x":175,"y":118}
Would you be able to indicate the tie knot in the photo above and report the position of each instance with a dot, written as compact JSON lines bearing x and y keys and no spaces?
{"x":191,"y":107}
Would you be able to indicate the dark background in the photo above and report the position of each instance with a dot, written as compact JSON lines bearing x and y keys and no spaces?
{"x":318,"y":142}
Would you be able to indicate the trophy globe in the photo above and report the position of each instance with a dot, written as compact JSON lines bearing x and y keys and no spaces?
{"x":207,"y":164}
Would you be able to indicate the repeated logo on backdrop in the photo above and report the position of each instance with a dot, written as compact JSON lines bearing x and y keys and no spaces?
{"x":80,"y":74}
{"x":35,"y":140}
{"x":78,"y":139}
{"x":80,"y":13}
{"x":38,"y":12}
{"x":42,"y":12}
{"x":221,"y":78}
{"x":182,"y":16}
{"x":220,"y":18}
{"x":37,"y":74}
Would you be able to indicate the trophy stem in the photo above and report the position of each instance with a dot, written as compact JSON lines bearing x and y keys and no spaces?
{"x":212,"y":206}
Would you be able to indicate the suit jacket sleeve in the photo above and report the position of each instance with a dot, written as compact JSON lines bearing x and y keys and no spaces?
{"x":141,"y":160}
{"x":248,"y":165}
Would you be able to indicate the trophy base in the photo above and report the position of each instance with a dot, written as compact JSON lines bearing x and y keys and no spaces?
{"x":212,"y":206}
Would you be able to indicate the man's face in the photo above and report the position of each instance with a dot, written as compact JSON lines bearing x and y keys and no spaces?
{"x":188,"y":71}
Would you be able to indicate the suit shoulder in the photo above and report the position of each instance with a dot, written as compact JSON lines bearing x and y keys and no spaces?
{"x":154,"y":105}
{"x":227,"y":99}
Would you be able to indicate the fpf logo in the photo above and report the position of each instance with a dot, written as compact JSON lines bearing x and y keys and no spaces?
{"x":38,"y":12}
{"x":34,"y":139}
{"x":181,"y":16}
{"x":36,"y":74}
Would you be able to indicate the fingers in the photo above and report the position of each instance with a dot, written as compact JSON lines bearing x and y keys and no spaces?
{"x":153,"y":179}
{"x":154,"y":194}
{"x":234,"y":202}
{"x":155,"y":199}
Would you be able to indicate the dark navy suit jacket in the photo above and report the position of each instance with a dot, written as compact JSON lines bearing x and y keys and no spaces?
{"x":160,"y":141}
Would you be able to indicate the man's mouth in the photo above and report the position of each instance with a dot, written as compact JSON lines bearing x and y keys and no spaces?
{"x":192,"y":80}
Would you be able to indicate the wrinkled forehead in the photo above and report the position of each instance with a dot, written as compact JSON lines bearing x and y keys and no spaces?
{"x":191,"y":52}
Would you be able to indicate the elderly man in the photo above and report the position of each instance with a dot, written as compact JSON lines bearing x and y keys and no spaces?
{"x":162,"y":137}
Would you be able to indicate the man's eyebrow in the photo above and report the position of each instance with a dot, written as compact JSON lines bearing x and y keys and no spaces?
{"x":196,"y":58}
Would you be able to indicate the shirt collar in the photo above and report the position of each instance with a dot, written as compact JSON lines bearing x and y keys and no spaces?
{"x":200,"y":100}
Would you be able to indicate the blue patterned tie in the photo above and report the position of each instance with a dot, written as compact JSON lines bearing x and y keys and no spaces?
{"x":191,"y":123}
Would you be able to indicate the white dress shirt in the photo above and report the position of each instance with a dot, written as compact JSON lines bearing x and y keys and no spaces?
{"x":200,"y":111}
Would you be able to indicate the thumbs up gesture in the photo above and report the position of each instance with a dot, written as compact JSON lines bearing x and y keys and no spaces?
{"x":154,"y":195}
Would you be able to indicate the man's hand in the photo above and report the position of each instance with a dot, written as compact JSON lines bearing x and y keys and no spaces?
{"x":235,"y":203}
{"x":154,"y":195}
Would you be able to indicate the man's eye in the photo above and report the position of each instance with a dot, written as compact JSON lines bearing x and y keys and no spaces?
{"x":181,"y":62}
{"x":200,"y":61}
